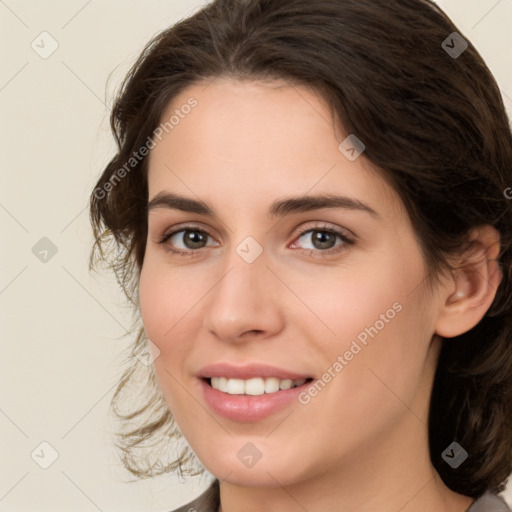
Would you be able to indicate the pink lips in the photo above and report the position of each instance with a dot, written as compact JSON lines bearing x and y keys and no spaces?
{"x":245,"y":408}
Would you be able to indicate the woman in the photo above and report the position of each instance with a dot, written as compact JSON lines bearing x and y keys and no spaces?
{"x":308,"y":209}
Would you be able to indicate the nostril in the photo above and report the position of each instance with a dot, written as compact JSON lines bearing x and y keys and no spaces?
{"x":254,"y":331}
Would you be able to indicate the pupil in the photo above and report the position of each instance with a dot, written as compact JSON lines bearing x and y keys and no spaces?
{"x":323,"y":240}
{"x":193,"y":239}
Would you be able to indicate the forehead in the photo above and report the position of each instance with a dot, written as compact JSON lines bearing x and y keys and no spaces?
{"x":251,"y":139}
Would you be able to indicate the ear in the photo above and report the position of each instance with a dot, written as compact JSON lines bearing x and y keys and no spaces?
{"x":475,"y":279}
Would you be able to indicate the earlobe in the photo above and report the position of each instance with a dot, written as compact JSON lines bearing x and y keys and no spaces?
{"x":475,"y":281}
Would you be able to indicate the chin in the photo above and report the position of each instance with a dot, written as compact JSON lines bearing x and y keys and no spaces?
{"x":242,"y":464}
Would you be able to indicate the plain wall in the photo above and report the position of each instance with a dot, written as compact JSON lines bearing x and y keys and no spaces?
{"x":61,"y":326}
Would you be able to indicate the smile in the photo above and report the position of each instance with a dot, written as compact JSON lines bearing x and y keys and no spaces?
{"x":255,"y":386}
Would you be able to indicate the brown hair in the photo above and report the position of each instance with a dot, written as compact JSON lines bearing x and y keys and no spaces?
{"x":435,"y":125}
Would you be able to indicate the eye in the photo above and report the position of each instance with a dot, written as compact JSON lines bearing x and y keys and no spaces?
{"x":322,"y":241}
{"x":317,"y":242}
{"x":186,"y":240}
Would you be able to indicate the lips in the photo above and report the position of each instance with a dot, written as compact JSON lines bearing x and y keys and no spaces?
{"x":252,"y":392}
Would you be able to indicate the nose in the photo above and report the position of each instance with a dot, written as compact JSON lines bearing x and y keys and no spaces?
{"x":245,"y":303}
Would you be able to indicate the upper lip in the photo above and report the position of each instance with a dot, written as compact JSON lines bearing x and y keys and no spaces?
{"x":248,"y":371}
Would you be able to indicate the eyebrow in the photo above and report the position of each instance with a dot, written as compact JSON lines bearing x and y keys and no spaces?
{"x":279,"y":208}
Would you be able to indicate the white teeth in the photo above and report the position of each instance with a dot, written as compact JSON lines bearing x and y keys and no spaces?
{"x":223,"y":384}
{"x":286,"y":384}
{"x":256,"y":386}
{"x":236,"y":387}
{"x":271,"y":385}
{"x":220,"y":383}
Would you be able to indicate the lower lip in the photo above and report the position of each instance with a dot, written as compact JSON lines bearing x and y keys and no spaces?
{"x":247,"y":407}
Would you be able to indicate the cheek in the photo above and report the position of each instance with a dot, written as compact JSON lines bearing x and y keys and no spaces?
{"x":379,"y":323}
{"x":170,"y":301}
{"x":163,"y":311}
{"x":163,"y":306}
{"x":154,"y":299}
{"x":165,"y":297}
{"x":354,"y":302}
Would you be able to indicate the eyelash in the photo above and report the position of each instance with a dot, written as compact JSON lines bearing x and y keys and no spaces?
{"x":316,"y":253}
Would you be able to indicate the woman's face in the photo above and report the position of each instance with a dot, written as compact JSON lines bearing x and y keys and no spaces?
{"x":295,"y":261}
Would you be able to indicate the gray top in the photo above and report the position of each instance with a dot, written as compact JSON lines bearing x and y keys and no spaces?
{"x":489,"y":503}
{"x":209,"y":502}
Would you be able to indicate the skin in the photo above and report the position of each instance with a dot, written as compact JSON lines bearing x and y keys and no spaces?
{"x":361,"y":443}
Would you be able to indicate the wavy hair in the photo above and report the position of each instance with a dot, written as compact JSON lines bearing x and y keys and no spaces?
{"x":435,"y":125}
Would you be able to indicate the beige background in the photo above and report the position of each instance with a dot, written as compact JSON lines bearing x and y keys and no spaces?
{"x":61,"y":327}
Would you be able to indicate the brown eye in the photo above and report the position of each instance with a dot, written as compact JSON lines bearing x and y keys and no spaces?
{"x":321,"y":239}
{"x":187,"y":239}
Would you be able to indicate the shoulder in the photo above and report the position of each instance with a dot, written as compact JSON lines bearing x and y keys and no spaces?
{"x":489,"y":503}
{"x":208,"y":501}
